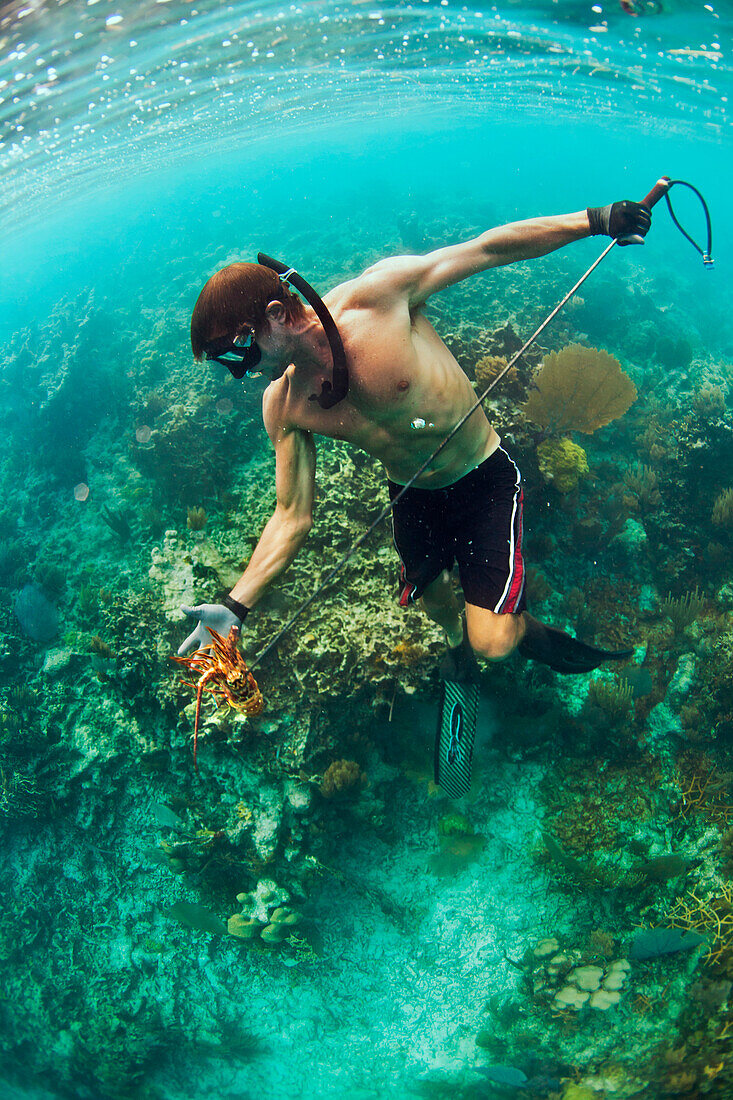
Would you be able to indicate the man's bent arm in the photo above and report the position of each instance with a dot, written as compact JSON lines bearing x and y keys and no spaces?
{"x":420,"y":276}
{"x":288,"y":527}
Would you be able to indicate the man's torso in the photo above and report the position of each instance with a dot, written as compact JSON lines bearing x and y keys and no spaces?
{"x":406,"y":391}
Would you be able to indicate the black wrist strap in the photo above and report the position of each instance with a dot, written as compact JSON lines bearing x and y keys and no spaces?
{"x":236,"y":608}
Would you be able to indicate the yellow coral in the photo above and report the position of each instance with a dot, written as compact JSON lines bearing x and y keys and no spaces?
{"x":489,"y":367}
{"x":711,"y":915}
{"x":562,"y":463}
{"x":244,"y":928}
{"x":574,"y":1091}
{"x":342,"y":777}
{"x":579,"y":389}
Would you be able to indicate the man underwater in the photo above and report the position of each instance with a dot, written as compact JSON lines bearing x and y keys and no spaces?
{"x":403,"y":393}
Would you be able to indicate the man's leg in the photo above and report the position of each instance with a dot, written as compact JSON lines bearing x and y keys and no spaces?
{"x":496,"y":636}
{"x":440,"y":604}
{"x":491,"y":635}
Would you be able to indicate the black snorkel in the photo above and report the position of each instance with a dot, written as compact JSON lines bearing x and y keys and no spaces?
{"x":331,"y":392}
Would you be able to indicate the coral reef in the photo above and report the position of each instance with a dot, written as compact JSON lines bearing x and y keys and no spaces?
{"x":643,"y":484}
{"x":673,"y":353}
{"x":602,"y":807}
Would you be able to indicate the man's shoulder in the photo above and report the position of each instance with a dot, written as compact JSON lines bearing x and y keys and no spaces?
{"x":282,"y":412}
{"x":381,"y":284}
{"x":275,"y":408}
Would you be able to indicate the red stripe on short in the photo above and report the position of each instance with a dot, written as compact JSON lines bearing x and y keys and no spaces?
{"x":407,"y":594}
{"x":515,"y":589}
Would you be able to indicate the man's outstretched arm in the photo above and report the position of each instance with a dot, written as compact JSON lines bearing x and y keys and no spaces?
{"x":284,"y":534}
{"x":418,"y":277}
{"x":290,"y":523}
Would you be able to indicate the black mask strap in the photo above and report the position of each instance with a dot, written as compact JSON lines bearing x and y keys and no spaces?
{"x":331,"y":392}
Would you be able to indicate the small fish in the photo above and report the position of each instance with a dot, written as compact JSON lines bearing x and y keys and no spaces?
{"x":196,"y":916}
{"x":166,"y":818}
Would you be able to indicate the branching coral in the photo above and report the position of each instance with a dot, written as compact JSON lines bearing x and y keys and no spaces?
{"x":196,"y":519}
{"x":703,"y":789}
{"x":712,"y":915}
{"x":118,"y":520}
{"x":723,"y":509}
{"x":613,"y":698}
{"x":709,"y":401}
{"x":100,"y":648}
{"x":585,"y":825}
{"x":489,"y":367}
{"x":712,"y":693}
{"x":579,"y":389}
{"x":643,"y":485}
{"x":683,"y":610}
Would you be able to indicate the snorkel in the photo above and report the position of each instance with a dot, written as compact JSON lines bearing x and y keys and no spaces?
{"x":331,"y":392}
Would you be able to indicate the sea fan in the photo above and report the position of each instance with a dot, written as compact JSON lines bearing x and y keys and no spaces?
{"x":579,"y":389}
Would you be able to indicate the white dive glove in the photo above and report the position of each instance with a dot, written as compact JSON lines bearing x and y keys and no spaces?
{"x":208,"y":615}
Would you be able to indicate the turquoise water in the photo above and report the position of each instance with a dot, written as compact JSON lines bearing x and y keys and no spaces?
{"x":145,"y":145}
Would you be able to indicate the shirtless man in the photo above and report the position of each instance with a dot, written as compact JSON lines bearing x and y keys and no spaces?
{"x":405,"y":392}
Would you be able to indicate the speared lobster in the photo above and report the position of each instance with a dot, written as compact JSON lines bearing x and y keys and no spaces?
{"x":224,"y":674}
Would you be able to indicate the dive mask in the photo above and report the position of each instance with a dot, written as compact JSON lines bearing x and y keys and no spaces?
{"x":240,"y":355}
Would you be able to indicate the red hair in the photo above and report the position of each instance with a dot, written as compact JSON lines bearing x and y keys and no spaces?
{"x":236,"y":296}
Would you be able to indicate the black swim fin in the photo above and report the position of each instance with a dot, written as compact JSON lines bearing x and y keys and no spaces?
{"x":561,"y":652}
{"x":456,"y":731}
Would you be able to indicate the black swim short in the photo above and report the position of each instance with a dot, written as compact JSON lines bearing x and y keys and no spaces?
{"x":476,"y":522}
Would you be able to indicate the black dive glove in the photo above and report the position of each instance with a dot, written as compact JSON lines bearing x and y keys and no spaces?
{"x":220,"y":617}
{"x":620,"y":219}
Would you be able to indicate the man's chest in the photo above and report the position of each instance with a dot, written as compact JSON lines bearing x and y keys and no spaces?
{"x":397,"y":368}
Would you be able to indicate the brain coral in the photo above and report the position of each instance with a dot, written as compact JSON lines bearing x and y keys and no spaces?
{"x":579,"y":389}
{"x":562,"y":463}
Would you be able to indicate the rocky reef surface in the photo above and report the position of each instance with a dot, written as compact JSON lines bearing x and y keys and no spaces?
{"x":310,"y":915}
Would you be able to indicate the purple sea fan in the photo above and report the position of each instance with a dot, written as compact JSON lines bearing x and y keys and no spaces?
{"x":37,"y":616}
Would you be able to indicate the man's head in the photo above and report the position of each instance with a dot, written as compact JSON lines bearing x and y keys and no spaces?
{"x":232,"y":311}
